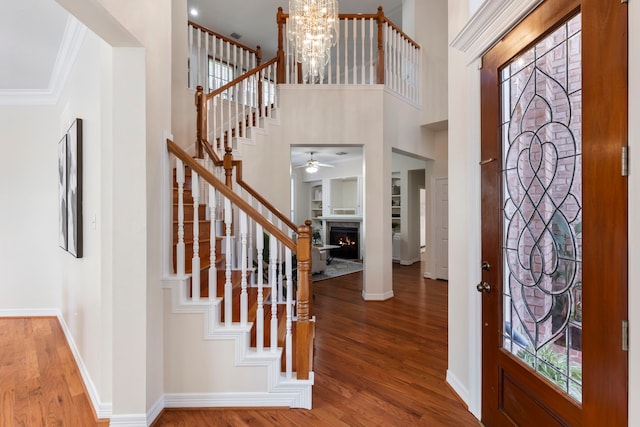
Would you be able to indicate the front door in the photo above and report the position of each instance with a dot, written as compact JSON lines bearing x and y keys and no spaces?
{"x":554,"y":219}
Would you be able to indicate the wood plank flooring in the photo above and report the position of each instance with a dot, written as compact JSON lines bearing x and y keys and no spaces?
{"x":40,"y":384}
{"x":376,"y":363}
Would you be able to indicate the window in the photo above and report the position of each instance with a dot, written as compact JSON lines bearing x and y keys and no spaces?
{"x":219,"y":73}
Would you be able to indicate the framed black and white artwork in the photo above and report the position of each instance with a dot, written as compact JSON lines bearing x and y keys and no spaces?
{"x":74,"y":189}
{"x":62,"y":192}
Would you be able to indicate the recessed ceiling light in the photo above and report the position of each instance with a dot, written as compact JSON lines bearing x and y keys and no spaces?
{"x":193,"y":11}
{"x":341,"y":153}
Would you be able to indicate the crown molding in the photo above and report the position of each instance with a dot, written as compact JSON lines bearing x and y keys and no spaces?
{"x":74,"y":34}
{"x":493,"y":20}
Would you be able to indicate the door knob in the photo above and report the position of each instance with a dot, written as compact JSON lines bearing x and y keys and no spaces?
{"x":483,"y":287}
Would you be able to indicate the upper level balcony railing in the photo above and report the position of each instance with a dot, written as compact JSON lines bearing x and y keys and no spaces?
{"x":369,"y":50}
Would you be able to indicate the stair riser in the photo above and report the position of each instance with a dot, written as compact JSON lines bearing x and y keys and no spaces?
{"x":188,"y":212}
{"x":187,"y":179}
{"x":203,"y":234}
{"x":187,"y":197}
{"x":204,"y":253}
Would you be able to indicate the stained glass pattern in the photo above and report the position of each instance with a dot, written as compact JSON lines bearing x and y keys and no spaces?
{"x":541,"y":100}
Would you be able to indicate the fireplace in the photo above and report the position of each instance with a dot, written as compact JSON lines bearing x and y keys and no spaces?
{"x":347,"y":238}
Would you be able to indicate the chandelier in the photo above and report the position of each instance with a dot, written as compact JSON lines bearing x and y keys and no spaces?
{"x":313,"y":30}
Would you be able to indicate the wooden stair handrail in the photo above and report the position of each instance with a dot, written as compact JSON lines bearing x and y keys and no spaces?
{"x":260,"y":198}
{"x":257,"y":51}
{"x":237,"y":164}
{"x":202,"y":143}
{"x":238,"y":79}
{"x":379,"y":16}
{"x":231,"y":195}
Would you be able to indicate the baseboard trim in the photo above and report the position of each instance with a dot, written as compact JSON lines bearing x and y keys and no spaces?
{"x":102,"y":410}
{"x":427,"y":275}
{"x":29,"y":312}
{"x":458,"y":387}
{"x":377,"y":297}
{"x":409,"y":261}
{"x":129,"y":420}
{"x":155,"y":410}
{"x":240,"y":400}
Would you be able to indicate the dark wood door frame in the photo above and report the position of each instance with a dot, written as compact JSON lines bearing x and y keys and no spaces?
{"x":604,"y":41}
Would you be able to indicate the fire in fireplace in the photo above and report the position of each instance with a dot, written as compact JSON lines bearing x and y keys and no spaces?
{"x":347,"y":239}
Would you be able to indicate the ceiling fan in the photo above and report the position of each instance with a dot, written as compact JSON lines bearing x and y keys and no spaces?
{"x":312,"y":165}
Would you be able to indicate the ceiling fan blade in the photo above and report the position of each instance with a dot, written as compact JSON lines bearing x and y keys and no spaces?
{"x":324,"y":165}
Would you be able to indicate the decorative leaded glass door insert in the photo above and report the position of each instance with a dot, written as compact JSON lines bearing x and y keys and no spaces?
{"x":554,"y":285}
{"x":541,"y":100}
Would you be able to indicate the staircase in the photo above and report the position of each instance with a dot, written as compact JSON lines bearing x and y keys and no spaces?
{"x":238,"y":328}
{"x":237,"y":319}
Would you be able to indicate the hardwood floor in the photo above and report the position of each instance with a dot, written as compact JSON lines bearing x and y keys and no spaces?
{"x":376,"y":363}
{"x":40,"y":384}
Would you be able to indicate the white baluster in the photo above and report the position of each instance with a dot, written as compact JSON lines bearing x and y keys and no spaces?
{"x":329,"y":71}
{"x":205,"y":84}
{"x":237,"y":99}
{"x":213,"y":276}
{"x":190,"y":58}
{"x":287,"y":62}
{"x":362,"y":64}
{"x":260,"y":278}
{"x":280,"y":274}
{"x":195,"y":261}
{"x":372,"y":40}
{"x":355,"y":61}
{"x":288,"y":336}
{"x":346,"y":51}
{"x":405,"y":67}
{"x":338,"y":53}
{"x":250,"y":245}
{"x":199,"y":55}
{"x":273,"y":271}
{"x":228,"y":289}
{"x":180,"y":245}
{"x":244,"y":296}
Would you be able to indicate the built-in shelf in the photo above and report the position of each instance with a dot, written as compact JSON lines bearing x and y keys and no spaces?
{"x":396,"y":215}
{"x":334,"y":199}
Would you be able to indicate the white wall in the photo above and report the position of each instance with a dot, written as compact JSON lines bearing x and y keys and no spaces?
{"x":82,"y":285}
{"x":356,"y":117}
{"x":29,"y":252}
{"x":431,"y":34}
{"x":464,"y":222}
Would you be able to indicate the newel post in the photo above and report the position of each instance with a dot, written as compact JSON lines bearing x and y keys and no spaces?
{"x":200,"y":121}
{"x":280,"y":54}
{"x":304,"y":326}
{"x":380,"y":64}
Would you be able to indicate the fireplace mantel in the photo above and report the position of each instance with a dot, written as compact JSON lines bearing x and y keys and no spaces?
{"x":342,"y":218}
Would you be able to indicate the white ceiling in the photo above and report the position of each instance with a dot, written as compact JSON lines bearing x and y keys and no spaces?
{"x":324,"y":154}
{"x":31,"y":32}
{"x":255,"y":20}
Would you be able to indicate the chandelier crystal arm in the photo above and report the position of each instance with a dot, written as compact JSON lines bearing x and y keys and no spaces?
{"x":312,"y":28}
